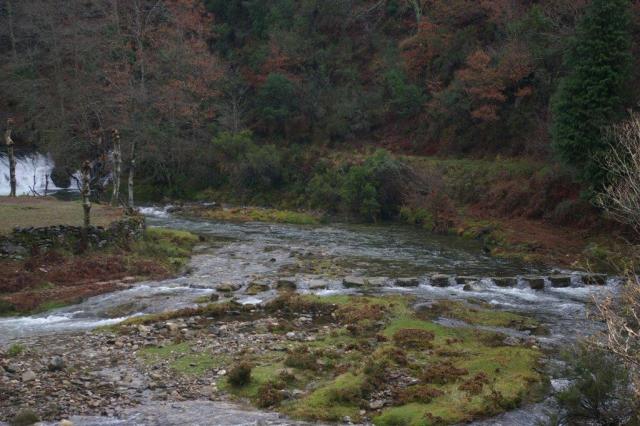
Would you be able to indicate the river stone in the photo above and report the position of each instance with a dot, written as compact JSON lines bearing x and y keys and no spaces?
{"x":466,"y":280}
{"x":286,"y":284}
{"x":28,"y":376}
{"x":440,"y":280}
{"x":561,"y":281}
{"x":56,"y":364}
{"x":377,"y":281}
{"x":535,"y":283}
{"x":227,"y":287}
{"x":256,"y":288}
{"x":318,"y":285}
{"x":408,"y":282}
{"x":352,"y":281}
{"x":594,"y":279}
{"x":505,"y":281}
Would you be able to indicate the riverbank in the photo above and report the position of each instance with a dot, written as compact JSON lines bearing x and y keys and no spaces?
{"x":316,"y":359}
{"x":528,"y":240}
{"x":47,"y":270}
{"x":353,"y":292}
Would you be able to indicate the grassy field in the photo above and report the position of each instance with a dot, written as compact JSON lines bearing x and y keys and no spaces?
{"x":47,"y":211}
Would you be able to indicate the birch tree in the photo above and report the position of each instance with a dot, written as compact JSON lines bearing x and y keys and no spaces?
{"x":12,"y":157}
{"x":116,"y":157}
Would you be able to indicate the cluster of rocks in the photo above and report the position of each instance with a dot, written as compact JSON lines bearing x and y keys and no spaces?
{"x":441,"y":280}
{"x":23,"y":241}
{"x":104,"y":373}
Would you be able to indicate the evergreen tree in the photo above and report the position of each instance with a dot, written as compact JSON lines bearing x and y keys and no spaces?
{"x":592,"y":95}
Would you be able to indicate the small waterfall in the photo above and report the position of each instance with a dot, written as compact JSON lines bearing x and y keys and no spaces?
{"x":28,"y":167}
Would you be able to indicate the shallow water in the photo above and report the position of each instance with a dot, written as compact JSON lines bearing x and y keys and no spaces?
{"x":240,"y":253}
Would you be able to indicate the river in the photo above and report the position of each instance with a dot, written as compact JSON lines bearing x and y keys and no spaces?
{"x":240,"y":253}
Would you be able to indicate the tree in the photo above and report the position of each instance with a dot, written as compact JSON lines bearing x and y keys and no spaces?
{"x":12,"y":157}
{"x":592,"y":95}
{"x":116,"y":171}
{"x":276,"y":102}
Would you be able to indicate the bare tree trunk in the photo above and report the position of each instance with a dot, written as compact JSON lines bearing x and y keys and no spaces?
{"x":12,"y":34}
{"x":117,"y":168}
{"x":86,"y":193}
{"x":132,"y":171}
{"x":12,"y":157}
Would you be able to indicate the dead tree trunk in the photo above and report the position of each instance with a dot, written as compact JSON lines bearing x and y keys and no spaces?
{"x":132,"y":171}
{"x":12,"y":157}
{"x":117,"y":168}
{"x":86,"y":193}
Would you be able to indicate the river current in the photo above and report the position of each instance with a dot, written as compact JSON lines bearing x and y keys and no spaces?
{"x":241,"y":253}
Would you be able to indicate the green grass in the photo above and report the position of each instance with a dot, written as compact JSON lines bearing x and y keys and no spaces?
{"x":481,"y":316}
{"x":15,"y":350}
{"x":40,"y":212}
{"x":255,"y":214}
{"x":168,"y":246}
{"x":182,"y":359}
{"x":341,"y":365}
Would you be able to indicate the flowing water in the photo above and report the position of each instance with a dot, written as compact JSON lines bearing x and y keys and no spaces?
{"x":317,"y":258}
{"x":32,"y":173}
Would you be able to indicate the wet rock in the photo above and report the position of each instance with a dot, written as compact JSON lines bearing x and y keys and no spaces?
{"x":466,"y":280}
{"x":377,"y":281}
{"x":228,"y":287}
{"x":594,"y":279}
{"x":535,"y":283}
{"x":65,"y":423}
{"x":408,"y":282}
{"x":353,"y":281}
{"x":286,"y":284}
{"x":505,"y":281}
{"x":28,"y":376}
{"x":440,"y":280}
{"x":376,"y":405}
{"x":56,"y":364}
{"x":511,"y":341}
{"x":468,"y":287}
{"x":560,"y":281}
{"x":318,"y":285}
{"x":256,"y":288}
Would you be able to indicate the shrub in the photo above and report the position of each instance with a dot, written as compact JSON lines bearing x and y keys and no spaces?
{"x":414,"y":338}
{"x":240,"y":375}
{"x":302,"y":358}
{"x":443,"y":373}
{"x":15,"y":350}
{"x":600,"y":389}
{"x":375,"y":189}
{"x":25,"y":417}
{"x":420,"y":393}
{"x":269,"y":395}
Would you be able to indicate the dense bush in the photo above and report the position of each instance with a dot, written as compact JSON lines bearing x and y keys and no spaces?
{"x":247,"y":165}
{"x":375,"y":189}
{"x":600,"y":391}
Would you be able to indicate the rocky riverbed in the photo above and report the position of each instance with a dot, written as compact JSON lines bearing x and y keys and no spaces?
{"x":175,"y":368}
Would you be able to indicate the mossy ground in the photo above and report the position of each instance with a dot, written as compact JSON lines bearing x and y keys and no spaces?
{"x":369,"y":348}
{"x":255,"y":214}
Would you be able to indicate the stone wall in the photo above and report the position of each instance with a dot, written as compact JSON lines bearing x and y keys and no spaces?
{"x":23,"y":241}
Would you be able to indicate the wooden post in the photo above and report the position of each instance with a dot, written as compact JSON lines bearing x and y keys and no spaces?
{"x":12,"y":157}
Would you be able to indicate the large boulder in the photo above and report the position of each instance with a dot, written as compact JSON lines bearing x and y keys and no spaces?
{"x":408,"y":282}
{"x":505,"y":281}
{"x":439,"y":280}
{"x":560,"y":281}
{"x":353,"y":281}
